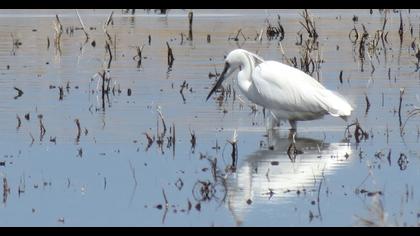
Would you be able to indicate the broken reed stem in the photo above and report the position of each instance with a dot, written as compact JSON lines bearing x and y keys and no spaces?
{"x":409,"y":115}
{"x":163,"y":121}
{"x":133,"y":173}
{"x":173,"y":139}
{"x":190,"y":21}
{"x":389,"y":73}
{"x":356,"y":36}
{"x":170,"y":55}
{"x":237,"y":35}
{"x":401,"y":29}
{"x":22,"y":184}
{"x":138,"y":57}
{"x":108,"y":48}
{"x":317,"y":200}
{"x":367,"y":104}
{"x":385,"y":20}
{"x":150,"y":140}
{"x":183,"y":85}
{"x":359,"y":132}
{"x":105,"y":89}
{"x":259,"y":35}
{"x":158,"y":136}
{"x":32,"y":138}
{"x":365,"y":36}
{"x":109,"y":20}
{"x":41,"y":128}
{"x":399,"y":107}
{"x":234,"y":154}
{"x":78,"y":130}
{"x":83,"y":25}
{"x":20,"y":92}
{"x":6,"y":190}
{"x":193,"y":140}
{"x":309,"y":25}
{"x":214,"y":168}
{"x":164,"y":197}
{"x":173,"y":134}
{"x":19,"y":122}
{"x":58,"y":32}
{"x":105,"y":26}
{"x":61,"y":93}
{"x":274,"y":32}
{"x":58,"y":26}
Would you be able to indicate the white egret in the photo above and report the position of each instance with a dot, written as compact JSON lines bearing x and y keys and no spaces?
{"x":288,"y":92}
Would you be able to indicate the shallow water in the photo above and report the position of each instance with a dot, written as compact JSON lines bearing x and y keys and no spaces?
{"x":115,"y":180}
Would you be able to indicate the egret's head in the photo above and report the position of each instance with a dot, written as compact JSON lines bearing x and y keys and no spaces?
{"x":235,"y":58}
{"x":232,"y":62}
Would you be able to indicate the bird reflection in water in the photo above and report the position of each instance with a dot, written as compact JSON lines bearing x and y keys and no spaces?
{"x":268,"y":175}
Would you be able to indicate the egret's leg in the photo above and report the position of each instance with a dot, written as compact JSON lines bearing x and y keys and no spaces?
{"x":268,"y":123}
{"x":293,"y":138}
{"x":271,"y":123}
{"x":271,"y":126}
{"x":293,"y":125}
{"x":293,"y":129}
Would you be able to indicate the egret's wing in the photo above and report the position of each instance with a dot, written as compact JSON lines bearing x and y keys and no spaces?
{"x":334,"y":103}
{"x":287,"y":88}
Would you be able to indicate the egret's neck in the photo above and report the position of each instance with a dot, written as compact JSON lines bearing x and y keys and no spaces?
{"x":245,"y":82}
{"x":247,"y":67}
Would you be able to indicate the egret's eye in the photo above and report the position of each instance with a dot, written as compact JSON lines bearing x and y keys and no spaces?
{"x":240,"y":67}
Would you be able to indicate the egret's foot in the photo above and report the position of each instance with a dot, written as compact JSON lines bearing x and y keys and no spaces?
{"x":292,"y":151}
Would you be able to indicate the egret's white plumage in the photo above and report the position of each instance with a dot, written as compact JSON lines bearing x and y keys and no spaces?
{"x":289,"y":93}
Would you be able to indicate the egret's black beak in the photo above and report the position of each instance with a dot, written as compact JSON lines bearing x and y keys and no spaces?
{"x":220,"y":81}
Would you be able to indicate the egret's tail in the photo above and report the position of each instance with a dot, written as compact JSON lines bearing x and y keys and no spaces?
{"x":335,"y":104}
